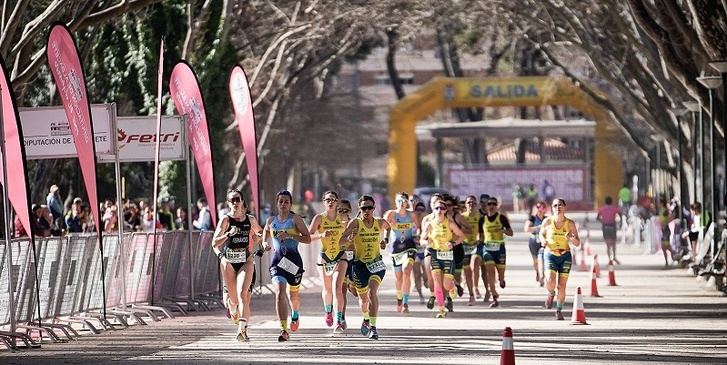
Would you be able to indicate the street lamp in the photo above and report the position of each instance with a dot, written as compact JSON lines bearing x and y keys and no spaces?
{"x":711,"y":83}
{"x":678,"y":114}
{"x":721,"y":66}
{"x":693,"y":108}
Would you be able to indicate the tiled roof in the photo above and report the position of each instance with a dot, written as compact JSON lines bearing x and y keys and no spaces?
{"x":553,"y":149}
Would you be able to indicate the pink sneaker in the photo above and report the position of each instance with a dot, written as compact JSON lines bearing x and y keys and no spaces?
{"x":329,"y":319}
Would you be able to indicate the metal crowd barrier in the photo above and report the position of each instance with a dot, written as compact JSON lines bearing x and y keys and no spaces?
{"x":146,"y":277}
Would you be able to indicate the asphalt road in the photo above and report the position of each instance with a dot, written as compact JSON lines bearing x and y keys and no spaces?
{"x":656,"y":315}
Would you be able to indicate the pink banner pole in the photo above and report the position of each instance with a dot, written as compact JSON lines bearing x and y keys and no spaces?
{"x":16,"y":191}
{"x":245,"y":116}
{"x":68,"y":75}
{"x":160,"y":75}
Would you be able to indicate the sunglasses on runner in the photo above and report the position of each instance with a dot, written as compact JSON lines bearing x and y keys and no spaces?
{"x":558,"y":205}
{"x":330,"y":200}
{"x":344,"y":211}
{"x":367,"y":207}
{"x":440,"y":208}
{"x":234,"y":200}
{"x":491,"y":204}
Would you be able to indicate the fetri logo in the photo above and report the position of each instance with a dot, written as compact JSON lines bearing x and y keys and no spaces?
{"x":141,"y":138}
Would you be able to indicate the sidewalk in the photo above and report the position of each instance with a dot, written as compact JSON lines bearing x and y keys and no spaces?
{"x":656,"y":315}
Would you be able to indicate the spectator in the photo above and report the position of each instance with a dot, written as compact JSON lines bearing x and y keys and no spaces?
{"x":19,"y":230}
{"x":222,"y":209}
{"x":132,"y":218}
{"x":53,"y":200}
{"x":40,"y":223}
{"x":147,"y":220}
{"x":547,"y":191}
{"x":110,"y":217}
{"x":54,"y":229}
{"x":165,"y":215}
{"x":517,"y":195}
{"x":87,"y":219}
{"x":531,"y":196}
{"x":624,"y":198}
{"x":74,"y":217}
{"x":181,"y":221}
{"x":204,"y":218}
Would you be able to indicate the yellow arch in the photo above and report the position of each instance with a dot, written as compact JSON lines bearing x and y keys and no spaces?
{"x":445,"y":93}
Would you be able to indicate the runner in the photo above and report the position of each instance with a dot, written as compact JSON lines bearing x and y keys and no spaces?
{"x":405,"y":227}
{"x":472,"y":250}
{"x":436,"y":197}
{"x":442,"y":235}
{"x":368,"y":266}
{"x":332,"y":264}
{"x":286,"y":230}
{"x":420,"y":273}
{"x":555,"y":233}
{"x":344,"y":211}
{"x":459,"y":255}
{"x":233,"y":243}
{"x":532,"y":226}
{"x":607,"y":216}
{"x":493,"y":228}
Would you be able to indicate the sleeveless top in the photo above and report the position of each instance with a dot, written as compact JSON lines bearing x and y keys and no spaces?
{"x":242,"y":238}
{"x":404,"y":227}
{"x":287,"y":226}
{"x":440,"y":235}
{"x":472,"y":219}
{"x":493,"y":229}
{"x":366,"y":241}
{"x":557,"y":238}
{"x":330,"y":245}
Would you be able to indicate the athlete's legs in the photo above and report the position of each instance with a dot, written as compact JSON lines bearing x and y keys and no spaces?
{"x":244,"y":279}
{"x":437,"y":279}
{"x":490,"y":269}
{"x":373,"y":299}
{"x":468,"y":278}
{"x":281,"y":300}
{"x":229,"y":277}
{"x":562,"y":281}
{"x":428,"y":272}
{"x":501,"y":274}
{"x":398,"y":279}
{"x":417,"y":270}
{"x":327,"y":292}
{"x":294,"y":292}
{"x":475,"y":264}
{"x":339,"y":277}
{"x":406,"y":280}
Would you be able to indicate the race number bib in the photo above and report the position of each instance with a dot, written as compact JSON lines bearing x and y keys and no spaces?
{"x":329,"y":267}
{"x":349,"y":255}
{"x":492,"y":246}
{"x":445,"y":255}
{"x":376,"y":266}
{"x":288,"y":266}
{"x":470,"y":250}
{"x":236,"y":255}
{"x":401,"y":259}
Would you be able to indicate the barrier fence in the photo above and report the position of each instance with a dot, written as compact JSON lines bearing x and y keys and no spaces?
{"x":164,"y":271}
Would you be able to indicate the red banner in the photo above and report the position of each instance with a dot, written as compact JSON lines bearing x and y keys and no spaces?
{"x":184,"y":88}
{"x":18,"y":183}
{"x":68,"y":75}
{"x":245,"y":117}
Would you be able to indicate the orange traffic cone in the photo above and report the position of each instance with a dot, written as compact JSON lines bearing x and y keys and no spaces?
{"x":582,"y":267}
{"x":587,"y":246}
{"x":507,"y":355}
{"x":611,"y":274}
{"x":596,"y":267}
{"x":594,"y":284}
{"x":579,"y":314}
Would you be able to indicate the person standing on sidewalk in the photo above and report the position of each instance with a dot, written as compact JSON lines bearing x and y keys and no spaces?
{"x":368,"y":266}
{"x":286,"y":230}
{"x":555,"y":234}
{"x":332,"y":265}
{"x":233,"y":244}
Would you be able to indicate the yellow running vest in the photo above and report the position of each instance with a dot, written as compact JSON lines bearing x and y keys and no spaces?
{"x":557,"y":239}
{"x":440,"y":235}
{"x":493,"y":230}
{"x":366,"y":242}
{"x":472,"y":219}
{"x":330,"y":245}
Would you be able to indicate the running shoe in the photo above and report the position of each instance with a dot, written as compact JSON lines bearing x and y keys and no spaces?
{"x":430,"y":303}
{"x":449,"y":304}
{"x":460,"y":290}
{"x":365,"y":328}
{"x":549,"y":301}
{"x":558,"y":315}
{"x":471,"y":302}
{"x":542,"y":281}
{"x":442,"y":313}
{"x":242,"y":336}
{"x":283,"y":336}
{"x":406,"y":308}
{"x":339,"y":330}
{"x":373,"y":334}
{"x":399,"y":305}
{"x":494,"y":303}
{"x":294,"y":324}
{"x":502,"y":284}
{"x":329,"y":319}
{"x":343,"y":324}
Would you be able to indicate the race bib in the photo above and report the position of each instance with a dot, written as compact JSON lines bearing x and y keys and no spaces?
{"x":470,"y":250}
{"x":329,"y":267}
{"x":492,"y":246}
{"x":236,"y":255}
{"x":445,"y":255}
{"x":349,"y":255}
{"x":401,"y":259}
{"x":288,"y":266}
{"x":376,"y":266}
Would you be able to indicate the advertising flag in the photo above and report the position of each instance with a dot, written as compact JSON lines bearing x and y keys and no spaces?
{"x":245,"y":117}
{"x":184,"y":89}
